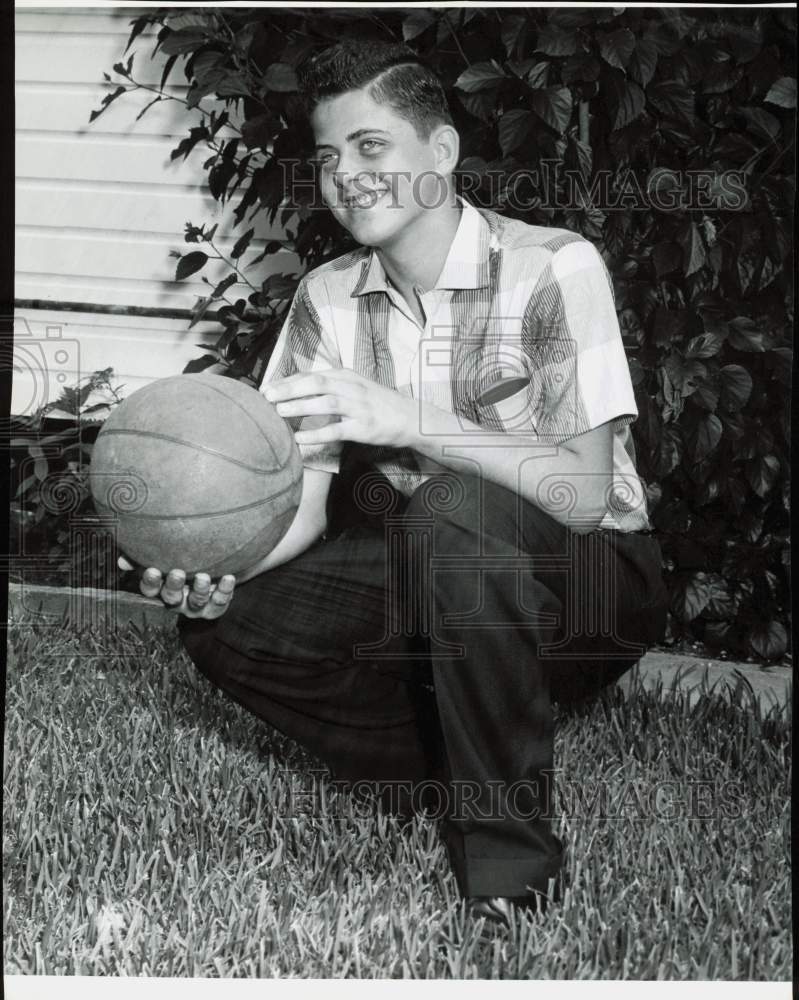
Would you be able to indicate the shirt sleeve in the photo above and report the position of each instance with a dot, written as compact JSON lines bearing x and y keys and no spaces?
{"x":579,"y":375}
{"x":305,"y":346}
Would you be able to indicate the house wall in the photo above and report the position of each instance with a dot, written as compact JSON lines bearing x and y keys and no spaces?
{"x":98,"y":208}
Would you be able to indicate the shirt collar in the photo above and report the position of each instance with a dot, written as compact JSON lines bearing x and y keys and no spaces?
{"x":466,"y":265}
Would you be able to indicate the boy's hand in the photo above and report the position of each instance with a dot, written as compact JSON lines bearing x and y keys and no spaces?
{"x":202,"y":600}
{"x":368,"y":413}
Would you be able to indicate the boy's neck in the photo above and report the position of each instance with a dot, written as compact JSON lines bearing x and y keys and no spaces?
{"x":417,"y":258}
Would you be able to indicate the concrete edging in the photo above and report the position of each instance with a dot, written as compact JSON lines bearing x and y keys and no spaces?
{"x":56,"y":605}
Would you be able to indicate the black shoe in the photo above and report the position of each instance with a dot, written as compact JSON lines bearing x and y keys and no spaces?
{"x":501,"y":909}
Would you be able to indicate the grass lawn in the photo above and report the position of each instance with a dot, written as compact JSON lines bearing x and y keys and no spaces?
{"x":152,"y":827}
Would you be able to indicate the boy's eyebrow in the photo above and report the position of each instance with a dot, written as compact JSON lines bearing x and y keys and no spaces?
{"x":354,"y":135}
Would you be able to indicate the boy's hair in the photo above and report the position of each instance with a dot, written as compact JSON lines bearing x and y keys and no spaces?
{"x":394,"y":74}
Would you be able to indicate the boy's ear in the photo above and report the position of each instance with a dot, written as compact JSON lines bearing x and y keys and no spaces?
{"x":446,"y":143}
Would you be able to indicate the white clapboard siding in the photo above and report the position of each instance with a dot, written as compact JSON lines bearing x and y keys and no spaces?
{"x":100,"y":206}
{"x":163,"y":209}
{"x":55,"y":348}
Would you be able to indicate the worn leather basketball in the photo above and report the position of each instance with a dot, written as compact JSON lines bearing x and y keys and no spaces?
{"x":196,"y":472}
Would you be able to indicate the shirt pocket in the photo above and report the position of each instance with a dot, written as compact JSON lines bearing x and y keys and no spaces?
{"x":514,"y":413}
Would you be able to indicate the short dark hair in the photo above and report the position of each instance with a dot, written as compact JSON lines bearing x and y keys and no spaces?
{"x":394,"y":74}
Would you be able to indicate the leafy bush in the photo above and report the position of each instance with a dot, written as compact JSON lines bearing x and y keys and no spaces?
{"x":50,"y":481}
{"x":663,"y":135}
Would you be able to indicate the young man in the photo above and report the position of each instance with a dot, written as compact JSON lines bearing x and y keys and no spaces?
{"x":461,"y":383}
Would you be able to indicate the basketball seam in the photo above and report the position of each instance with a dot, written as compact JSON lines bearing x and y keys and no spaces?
{"x":246,"y":413}
{"x":190,"y":517}
{"x":191,"y":444}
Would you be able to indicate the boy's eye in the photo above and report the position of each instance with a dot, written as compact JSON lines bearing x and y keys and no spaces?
{"x":326,"y":160}
{"x":370,"y":145}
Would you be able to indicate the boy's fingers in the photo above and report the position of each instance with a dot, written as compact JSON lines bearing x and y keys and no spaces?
{"x":200,"y":591}
{"x":172,"y":592}
{"x":150,"y":583}
{"x":224,"y":590}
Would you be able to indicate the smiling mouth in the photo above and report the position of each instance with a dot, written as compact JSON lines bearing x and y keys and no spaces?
{"x":366,"y":199}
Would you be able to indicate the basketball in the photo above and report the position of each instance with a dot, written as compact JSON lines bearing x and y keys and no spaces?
{"x":196,"y":472}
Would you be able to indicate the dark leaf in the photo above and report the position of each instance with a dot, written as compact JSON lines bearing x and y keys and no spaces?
{"x":663,"y":37}
{"x":667,"y":257}
{"x":673,"y":99}
{"x":199,"y":310}
{"x":691,"y":599}
{"x":190,"y":264}
{"x":147,"y":107}
{"x":514,"y":127}
{"x":783,"y":92}
{"x":554,"y":106}
{"x":580,"y":68}
{"x":736,"y":387}
{"x":231,"y":85}
{"x":139,"y":24}
{"x":744,"y":335}
{"x":481,"y":105}
{"x":207,"y":64}
{"x":279,"y":286}
{"x":706,"y":395}
{"x":200,"y":364}
{"x":670,"y":325}
{"x":761,"y":122}
{"x":417,"y":22}
{"x":643,"y":61}
{"x":583,"y":156}
{"x":481,"y":76}
{"x":224,"y":284}
{"x":187,"y":144}
{"x":512,"y":27}
{"x":669,"y":451}
{"x":720,"y":604}
{"x":106,"y":101}
{"x":706,"y":345}
{"x":769,"y":641}
{"x":703,"y":437}
{"x":281,"y":78}
{"x":693,"y":248}
{"x":167,"y":70}
{"x":617,"y":47}
{"x":538,"y":76}
{"x":762,"y":473}
{"x":626,"y":100}
{"x":782,"y":364}
{"x":571,"y":18}
{"x":260,"y":131}
{"x":219,"y":177}
{"x":554,"y":41}
{"x":185,"y":40}
{"x":241,"y":244}
{"x":745,"y":41}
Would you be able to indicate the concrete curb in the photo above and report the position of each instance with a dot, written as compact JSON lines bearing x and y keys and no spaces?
{"x":770,"y":686}
{"x":51,"y":606}
{"x":56,"y":605}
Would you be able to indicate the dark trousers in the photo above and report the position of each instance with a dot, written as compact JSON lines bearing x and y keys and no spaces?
{"x":421,"y":644}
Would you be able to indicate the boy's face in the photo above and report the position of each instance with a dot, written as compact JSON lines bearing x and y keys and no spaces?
{"x":375,"y":173}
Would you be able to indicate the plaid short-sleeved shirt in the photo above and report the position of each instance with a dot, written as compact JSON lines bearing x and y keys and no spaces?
{"x":511,"y":300}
